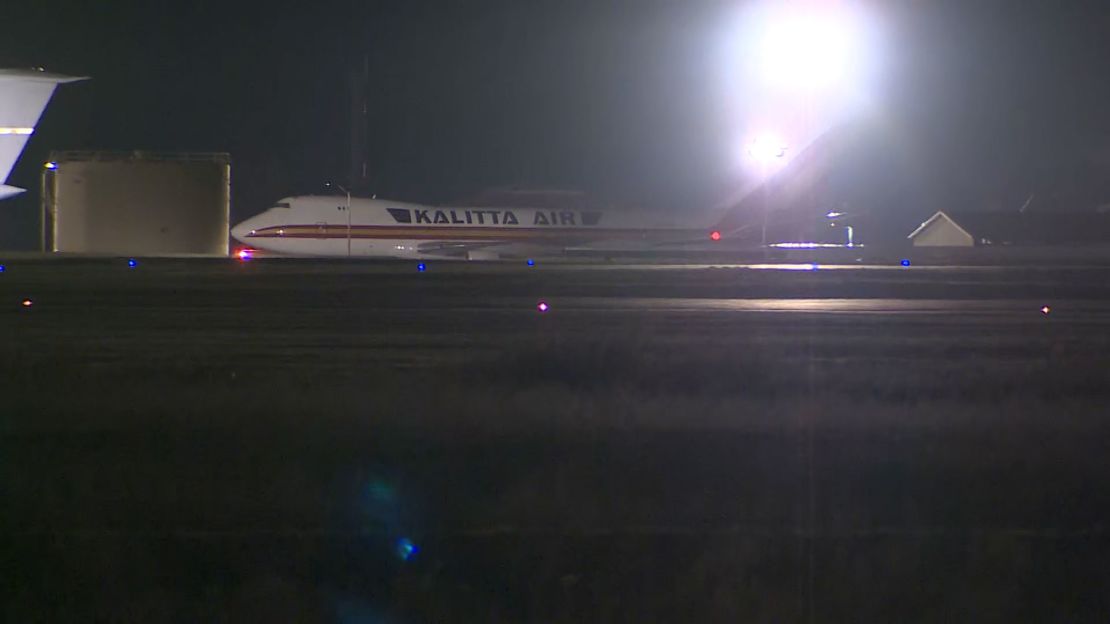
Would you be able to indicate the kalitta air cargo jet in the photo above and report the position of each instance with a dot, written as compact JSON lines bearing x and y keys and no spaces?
{"x":23,"y":96}
{"x":522,"y":223}
{"x":328,"y":226}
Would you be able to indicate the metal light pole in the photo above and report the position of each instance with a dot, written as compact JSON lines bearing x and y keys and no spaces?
{"x":766,"y":150}
{"x":766,"y":205}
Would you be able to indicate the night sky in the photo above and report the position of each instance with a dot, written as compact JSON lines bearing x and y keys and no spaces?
{"x":979,"y":103}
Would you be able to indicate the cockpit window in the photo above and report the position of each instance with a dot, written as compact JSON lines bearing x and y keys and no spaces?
{"x":282,"y":205}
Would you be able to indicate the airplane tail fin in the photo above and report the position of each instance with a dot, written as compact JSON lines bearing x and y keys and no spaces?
{"x":24,"y":95}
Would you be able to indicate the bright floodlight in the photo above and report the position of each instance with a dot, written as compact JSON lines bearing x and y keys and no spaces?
{"x":809,"y":49}
{"x":767,"y":148}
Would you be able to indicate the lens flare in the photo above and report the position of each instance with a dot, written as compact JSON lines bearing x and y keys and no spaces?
{"x":405,"y":549}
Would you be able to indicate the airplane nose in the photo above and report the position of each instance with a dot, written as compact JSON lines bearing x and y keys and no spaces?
{"x":241,"y":231}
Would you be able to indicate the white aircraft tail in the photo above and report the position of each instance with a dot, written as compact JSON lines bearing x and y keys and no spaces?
{"x":24,"y":94}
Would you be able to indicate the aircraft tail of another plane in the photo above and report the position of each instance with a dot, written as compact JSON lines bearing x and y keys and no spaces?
{"x":24,"y":95}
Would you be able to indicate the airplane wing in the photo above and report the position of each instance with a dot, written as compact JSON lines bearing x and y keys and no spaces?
{"x":457,"y":249}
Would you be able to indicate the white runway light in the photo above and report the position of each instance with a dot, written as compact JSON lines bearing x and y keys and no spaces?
{"x":11,"y":130}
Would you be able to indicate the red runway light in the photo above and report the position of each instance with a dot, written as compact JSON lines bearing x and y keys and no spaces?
{"x":1045,"y":310}
{"x":715,"y":235}
{"x":542,"y":306}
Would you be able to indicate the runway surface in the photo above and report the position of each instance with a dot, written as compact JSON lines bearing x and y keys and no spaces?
{"x":662,"y":444}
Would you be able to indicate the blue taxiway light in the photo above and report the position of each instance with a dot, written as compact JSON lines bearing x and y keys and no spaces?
{"x":905,"y":263}
{"x":131,"y":263}
{"x":531,"y":262}
{"x":421,"y":267}
{"x":1,"y":268}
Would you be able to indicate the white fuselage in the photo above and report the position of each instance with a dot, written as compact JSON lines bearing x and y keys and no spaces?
{"x":327,"y":226}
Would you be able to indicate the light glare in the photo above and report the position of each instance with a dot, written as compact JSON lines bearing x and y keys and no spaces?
{"x":807,"y":48}
{"x":767,"y":148}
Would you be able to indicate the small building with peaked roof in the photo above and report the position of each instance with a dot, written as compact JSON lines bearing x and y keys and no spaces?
{"x":940,"y":230}
{"x":968,"y":229}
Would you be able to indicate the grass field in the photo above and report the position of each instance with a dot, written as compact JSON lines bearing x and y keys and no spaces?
{"x":359,"y":443}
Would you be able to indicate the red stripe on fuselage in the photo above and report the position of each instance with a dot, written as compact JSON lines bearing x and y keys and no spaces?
{"x":453,"y":233}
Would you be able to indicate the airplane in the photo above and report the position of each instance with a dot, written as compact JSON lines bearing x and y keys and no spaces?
{"x":528,"y":224}
{"x":24,"y":94}
{"x":333,"y":226}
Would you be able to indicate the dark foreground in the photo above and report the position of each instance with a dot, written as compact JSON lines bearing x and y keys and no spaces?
{"x":298,"y":441}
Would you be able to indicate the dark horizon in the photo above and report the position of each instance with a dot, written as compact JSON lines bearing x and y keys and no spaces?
{"x":979,"y":105}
